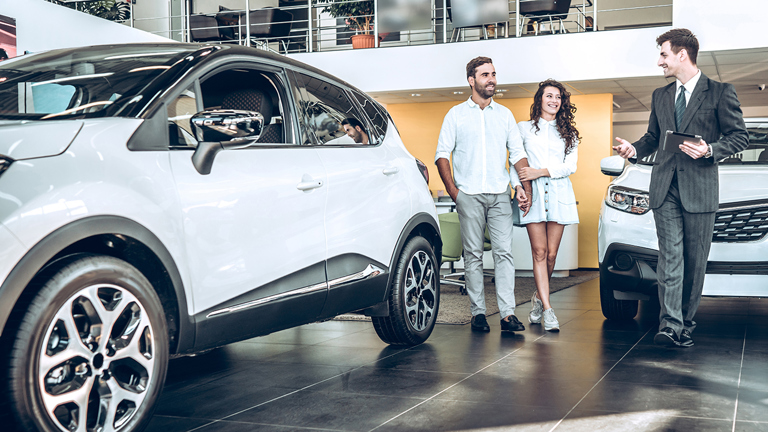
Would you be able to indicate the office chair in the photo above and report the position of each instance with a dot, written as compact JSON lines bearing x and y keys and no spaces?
{"x":450,"y":233}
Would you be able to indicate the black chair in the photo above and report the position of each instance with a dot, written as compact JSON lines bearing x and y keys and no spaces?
{"x":203,"y":28}
{"x":544,"y":10}
{"x":251,"y":99}
{"x":270,"y":23}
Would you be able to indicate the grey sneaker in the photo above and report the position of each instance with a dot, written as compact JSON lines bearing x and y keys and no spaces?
{"x":534,"y":316}
{"x":550,"y":320}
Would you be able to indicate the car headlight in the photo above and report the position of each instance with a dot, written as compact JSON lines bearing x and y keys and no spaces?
{"x":5,"y":162}
{"x":627,"y":199}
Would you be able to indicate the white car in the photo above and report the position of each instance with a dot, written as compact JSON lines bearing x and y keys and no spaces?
{"x":738,"y":259}
{"x":163,"y":200}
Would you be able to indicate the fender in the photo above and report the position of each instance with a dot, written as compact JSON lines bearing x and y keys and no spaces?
{"x":56,"y":242}
{"x":433,"y":237}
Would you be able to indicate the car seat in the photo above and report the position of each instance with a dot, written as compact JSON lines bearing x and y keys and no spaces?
{"x":251,"y":99}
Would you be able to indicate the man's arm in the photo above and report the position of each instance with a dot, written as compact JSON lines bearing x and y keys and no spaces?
{"x":524,"y":196}
{"x":444,"y":169}
{"x":735,"y":137}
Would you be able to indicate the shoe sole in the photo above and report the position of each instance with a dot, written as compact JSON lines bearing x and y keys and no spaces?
{"x":686,"y":344}
{"x":552,"y":329}
{"x":665,"y":340}
{"x":534,"y":321}
{"x":481,"y":329}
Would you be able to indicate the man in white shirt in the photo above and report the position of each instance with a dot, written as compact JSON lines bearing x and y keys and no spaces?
{"x":478,"y":134}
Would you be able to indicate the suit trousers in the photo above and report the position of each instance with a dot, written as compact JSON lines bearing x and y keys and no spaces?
{"x":474,"y":211}
{"x":684,"y":242}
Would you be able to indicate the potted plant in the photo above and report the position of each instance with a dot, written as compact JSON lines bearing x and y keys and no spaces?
{"x":358,"y":15}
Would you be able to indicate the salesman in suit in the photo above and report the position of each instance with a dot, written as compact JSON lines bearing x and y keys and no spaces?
{"x":684,"y":185}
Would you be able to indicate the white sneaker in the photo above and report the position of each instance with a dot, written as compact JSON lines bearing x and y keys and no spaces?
{"x":550,"y":320}
{"x":534,"y":316}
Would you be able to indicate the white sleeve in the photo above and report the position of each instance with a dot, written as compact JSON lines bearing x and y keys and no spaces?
{"x":567,"y":167}
{"x":446,"y":142}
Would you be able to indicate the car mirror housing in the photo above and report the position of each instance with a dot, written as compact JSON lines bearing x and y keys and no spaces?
{"x":226,"y":125}
{"x":219,"y":130}
{"x":612,"y":165}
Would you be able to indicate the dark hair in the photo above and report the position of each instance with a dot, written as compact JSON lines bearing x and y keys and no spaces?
{"x":681,"y":38}
{"x":566,"y":125}
{"x":476,"y":63}
{"x":3,"y":54}
{"x":354,"y":123}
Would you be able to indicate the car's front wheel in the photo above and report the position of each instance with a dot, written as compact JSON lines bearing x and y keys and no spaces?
{"x":616,"y":309}
{"x":91,"y":351}
{"x":414,"y":297}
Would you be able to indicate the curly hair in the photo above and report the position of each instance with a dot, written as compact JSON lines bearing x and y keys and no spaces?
{"x":566,"y":125}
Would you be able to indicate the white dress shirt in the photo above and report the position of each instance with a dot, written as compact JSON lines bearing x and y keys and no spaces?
{"x":479,"y":139}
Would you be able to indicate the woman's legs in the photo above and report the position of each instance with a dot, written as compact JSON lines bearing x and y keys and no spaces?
{"x":545,"y":241}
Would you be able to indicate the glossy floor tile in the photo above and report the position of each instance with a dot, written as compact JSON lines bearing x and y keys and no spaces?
{"x":593,"y":375}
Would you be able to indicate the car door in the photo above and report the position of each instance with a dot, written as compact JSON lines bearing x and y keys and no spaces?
{"x":253,"y":227}
{"x":368,"y":200}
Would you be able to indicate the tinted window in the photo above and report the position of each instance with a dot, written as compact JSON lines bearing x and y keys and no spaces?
{"x":325,"y":107}
{"x":377,"y":115}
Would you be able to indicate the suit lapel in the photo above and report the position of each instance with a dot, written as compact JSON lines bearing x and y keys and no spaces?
{"x":695,"y":102}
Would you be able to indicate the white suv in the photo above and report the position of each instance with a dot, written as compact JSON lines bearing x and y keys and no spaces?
{"x":738,"y":259}
{"x":162,"y":200}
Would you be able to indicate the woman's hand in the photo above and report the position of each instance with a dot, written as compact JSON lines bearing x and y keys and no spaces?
{"x":528,"y":173}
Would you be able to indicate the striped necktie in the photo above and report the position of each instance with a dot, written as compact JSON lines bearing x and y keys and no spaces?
{"x":680,"y":107}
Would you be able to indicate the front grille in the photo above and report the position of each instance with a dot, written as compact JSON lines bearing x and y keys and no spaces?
{"x":742,"y":223}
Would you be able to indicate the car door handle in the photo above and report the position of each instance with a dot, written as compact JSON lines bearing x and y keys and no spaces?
{"x":308,"y":183}
{"x":391,"y":170}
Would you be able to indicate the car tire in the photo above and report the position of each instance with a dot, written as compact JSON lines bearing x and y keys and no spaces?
{"x":65,"y":373}
{"x":620,"y":310}
{"x":414,"y":297}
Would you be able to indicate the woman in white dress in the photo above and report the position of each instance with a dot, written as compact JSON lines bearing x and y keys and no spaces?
{"x":551,"y":140}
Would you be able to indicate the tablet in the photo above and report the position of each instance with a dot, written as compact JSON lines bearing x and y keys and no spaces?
{"x":672,"y":141}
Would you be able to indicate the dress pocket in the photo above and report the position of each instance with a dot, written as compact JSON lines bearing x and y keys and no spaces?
{"x":565,"y":193}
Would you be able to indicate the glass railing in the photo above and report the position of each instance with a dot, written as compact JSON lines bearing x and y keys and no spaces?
{"x":295,"y":26}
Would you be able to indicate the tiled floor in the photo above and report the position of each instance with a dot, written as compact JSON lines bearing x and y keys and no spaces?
{"x":594,"y":375}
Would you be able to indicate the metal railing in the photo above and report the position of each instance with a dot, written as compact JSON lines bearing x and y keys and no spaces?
{"x":309,"y":29}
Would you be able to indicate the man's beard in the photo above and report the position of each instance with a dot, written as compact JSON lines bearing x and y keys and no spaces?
{"x":356,"y":137}
{"x":484,"y":92}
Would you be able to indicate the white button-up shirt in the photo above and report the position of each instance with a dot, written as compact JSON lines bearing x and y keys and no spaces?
{"x":479,"y":139}
{"x":546,"y":149}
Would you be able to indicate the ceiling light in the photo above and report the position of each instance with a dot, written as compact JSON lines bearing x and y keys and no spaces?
{"x":458,"y":93}
{"x":415,"y":94}
{"x":615,"y":105}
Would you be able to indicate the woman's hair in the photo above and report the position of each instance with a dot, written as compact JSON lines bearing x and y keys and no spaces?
{"x":565,"y":123}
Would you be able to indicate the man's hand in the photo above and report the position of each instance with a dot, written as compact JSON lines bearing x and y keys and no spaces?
{"x":453,"y":191}
{"x":624,"y":149}
{"x":523,"y":199}
{"x":528,"y":173}
{"x":694,"y":150}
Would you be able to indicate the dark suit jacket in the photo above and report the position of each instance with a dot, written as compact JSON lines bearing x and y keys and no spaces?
{"x":713,"y":112}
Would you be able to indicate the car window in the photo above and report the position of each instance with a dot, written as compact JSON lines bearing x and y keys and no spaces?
{"x":377,"y":115}
{"x":250,"y":90}
{"x":757,"y":151}
{"x":180,"y":111}
{"x":327,"y":109}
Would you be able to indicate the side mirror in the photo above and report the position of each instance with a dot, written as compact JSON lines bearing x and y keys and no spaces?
{"x":612,"y":165}
{"x":218,"y":130}
{"x":225,"y":125}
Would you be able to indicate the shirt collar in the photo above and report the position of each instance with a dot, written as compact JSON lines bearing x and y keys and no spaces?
{"x":548,"y":122}
{"x":472,"y":103}
{"x":690,"y":85}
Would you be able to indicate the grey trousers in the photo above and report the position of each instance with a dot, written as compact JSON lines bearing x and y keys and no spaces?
{"x":474,"y":211}
{"x":684,"y":242}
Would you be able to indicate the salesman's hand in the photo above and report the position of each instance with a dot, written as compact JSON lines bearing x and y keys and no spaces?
{"x":694,"y":150}
{"x":624,"y":149}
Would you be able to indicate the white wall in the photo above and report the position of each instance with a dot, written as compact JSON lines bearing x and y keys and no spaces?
{"x":42,"y":26}
{"x":724,"y":25}
{"x":568,"y":57}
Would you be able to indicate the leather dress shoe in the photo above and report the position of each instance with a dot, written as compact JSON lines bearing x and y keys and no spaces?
{"x":685,"y":339}
{"x":512,"y":325}
{"x":666,"y":337}
{"x":480,"y":324}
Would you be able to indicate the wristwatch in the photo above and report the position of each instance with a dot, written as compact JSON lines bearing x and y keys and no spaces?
{"x":708,"y":154}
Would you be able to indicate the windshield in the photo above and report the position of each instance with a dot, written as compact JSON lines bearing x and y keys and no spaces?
{"x":80,"y":83}
{"x":755,"y":154}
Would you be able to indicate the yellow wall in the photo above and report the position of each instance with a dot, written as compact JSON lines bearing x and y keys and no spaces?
{"x":419,"y":125}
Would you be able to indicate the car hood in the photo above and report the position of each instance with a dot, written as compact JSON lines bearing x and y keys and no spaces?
{"x":29,"y":140}
{"x":737,"y":184}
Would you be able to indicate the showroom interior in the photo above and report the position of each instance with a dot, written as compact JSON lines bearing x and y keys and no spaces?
{"x":595,"y":374}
